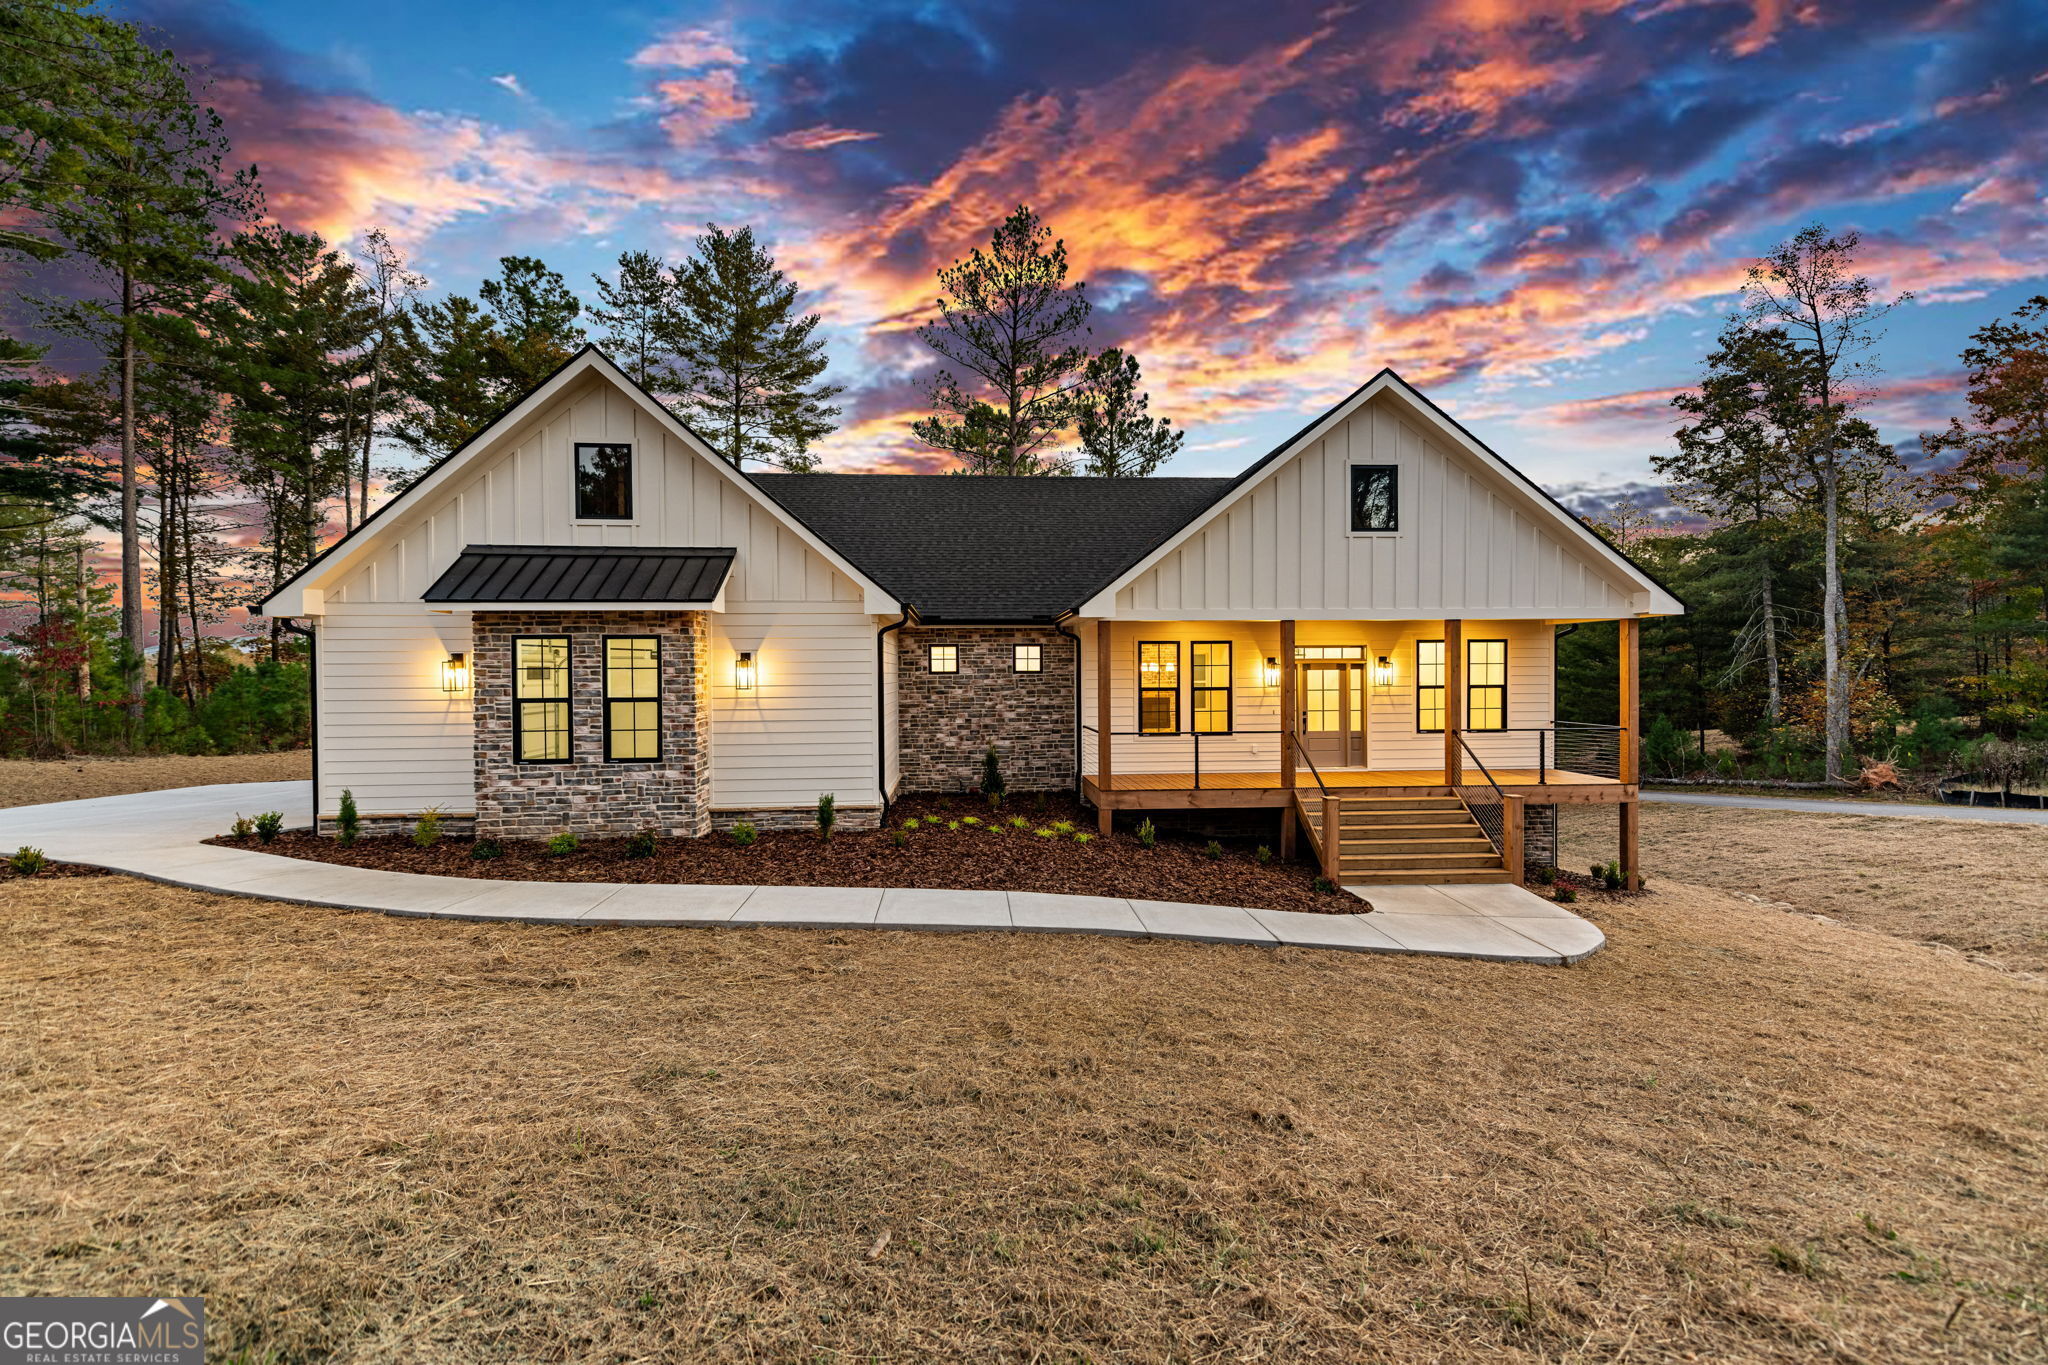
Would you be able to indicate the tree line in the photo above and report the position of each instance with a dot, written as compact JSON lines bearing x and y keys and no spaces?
{"x":254,"y":390}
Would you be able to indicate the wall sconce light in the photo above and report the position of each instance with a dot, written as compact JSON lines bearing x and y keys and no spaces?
{"x":1272,"y":671}
{"x":455,"y":673}
{"x":743,"y":671}
{"x":1382,"y":672}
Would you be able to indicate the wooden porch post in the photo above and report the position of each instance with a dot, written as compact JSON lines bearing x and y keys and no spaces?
{"x":1333,"y":839}
{"x":1104,"y":770}
{"x":1454,"y":700}
{"x":1288,"y":817}
{"x":1631,"y":754}
{"x":1511,"y":838}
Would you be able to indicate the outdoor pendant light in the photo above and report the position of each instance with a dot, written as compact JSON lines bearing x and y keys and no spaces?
{"x":743,"y":671}
{"x":455,"y":674}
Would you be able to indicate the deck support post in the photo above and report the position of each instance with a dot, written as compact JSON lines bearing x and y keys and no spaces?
{"x":1333,"y":839}
{"x":1104,"y":769}
{"x":1630,"y":757}
{"x":1454,"y":701}
{"x":1288,"y":817}
{"x":1511,"y":855}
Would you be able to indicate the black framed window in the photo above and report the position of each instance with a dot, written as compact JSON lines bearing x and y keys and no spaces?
{"x":1429,"y":686}
{"x":1159,"y":687}
{"x":942,"y":658}
{"x":1375,"y":497}
{"x":632,"y":698}
{"x":1209,"y":686}
{"x":540,"y":699}
{"x":1486,"y":684}
{"x":604,"y":482}
{"x":1028,"y":659}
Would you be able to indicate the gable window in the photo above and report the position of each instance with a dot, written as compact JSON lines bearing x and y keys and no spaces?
{"x":1429,"y":686}
{"x":632,"y":698}
{"x":604,"y":482}
{"x":1028,"y":659}
{"x":1209,"y":686}
{"x":1159,"y":687}
{"x":1486,"y":684}
{"x":942,"y":658}
{"x":540,"y":699}
{"x":1375,"y":497}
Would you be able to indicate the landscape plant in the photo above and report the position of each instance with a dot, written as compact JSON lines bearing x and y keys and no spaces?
{"x":26,"y":861}
{"x":347,"y":822}
{"x":828,"y":815}
{"x":641,"y":844}
{"x":242,"y":829}
{"x":483,"y":850}
{"x":743,"y":832}
{"x":561,"y":845}
{"x":268,"y":824}
{"x":992,"y":785}
{"x":427,"y":831}
{"x":1148,"y":833}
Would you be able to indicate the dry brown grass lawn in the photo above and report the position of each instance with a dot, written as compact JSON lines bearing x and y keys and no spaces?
{"x":25,"y":782}
{"x":1735,"y":1135}
{"x":1977,"y":886}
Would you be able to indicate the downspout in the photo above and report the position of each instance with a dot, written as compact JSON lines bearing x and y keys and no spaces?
{"x":313,"y":703}
{"x":882,"y":712}
{"x":1061,"y":626}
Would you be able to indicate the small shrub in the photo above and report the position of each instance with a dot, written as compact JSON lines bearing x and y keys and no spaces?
{"x":483,"y":850}
{"x":911,"y":824}
{"x":1325,"y":884}
{"x":268,"y":824}
{"x":1566,"y":895}
{"x":428,"y":831}
{"x":1038,"y":803}
{"x":953,"y":825}
{"x":1213,"y":851}
{"x":242,"y":828}
{"x":348,"y":823}
{"x":1063,"y":827}
{"x":561,"y":846}
{"x":642,"y":844}
{"x":898,"y":837}
{"x":970,"y":819}
{"x":995,"y":800}
{"x":1019,"y":822}
{"x":1082,"y":836}
{"x":1546,"y":876}
{"x":27,"y":861}
{"x":1264,"y":855}
{"x":743,"y":832}
{"x":1148,"y":833}
{"x":827,"y":815}
{"x":992,"y":784}
{"x":1046,"y":833}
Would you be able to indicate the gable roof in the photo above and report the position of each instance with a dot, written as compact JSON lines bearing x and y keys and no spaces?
{"x":439,"y":474}
{"x":991,"y":550}
{"x":1103,"y":601}
{"x":582,"y":574}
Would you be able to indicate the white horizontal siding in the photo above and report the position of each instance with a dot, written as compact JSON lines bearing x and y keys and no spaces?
{"x":386,"y":729}
{"x":1470,"y":543}
{"x":808,"y":725}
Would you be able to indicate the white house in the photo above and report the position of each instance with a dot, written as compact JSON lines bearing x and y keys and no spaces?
{"x":585,"y":620}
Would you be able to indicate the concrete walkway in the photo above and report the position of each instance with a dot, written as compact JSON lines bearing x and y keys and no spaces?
{"x":1850,"y":806}
{"x":157,"y":835}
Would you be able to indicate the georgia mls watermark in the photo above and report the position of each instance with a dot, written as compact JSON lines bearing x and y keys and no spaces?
{"x":103,"y":1331}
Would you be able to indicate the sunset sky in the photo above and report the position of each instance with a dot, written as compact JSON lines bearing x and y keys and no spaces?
{"x":1537,"y":210}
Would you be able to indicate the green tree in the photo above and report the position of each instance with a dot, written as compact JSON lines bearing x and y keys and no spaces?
{"x":1010,"y":321}
{"x":750,"y":365}
{"x":390,"y":287}
{"x":639,"y":313}
{"x":1119,"y":437}
{"x":445,"y":371}
{"x":537,"y":328}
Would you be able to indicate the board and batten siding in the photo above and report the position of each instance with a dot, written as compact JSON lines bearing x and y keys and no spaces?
{"x":390,"y":734}
{"x":1469,"y":544}
{"x":1391,"y":740}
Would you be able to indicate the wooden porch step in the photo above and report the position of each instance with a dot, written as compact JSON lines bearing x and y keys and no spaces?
{"x":1367,"y":862}
{"x":1385,"y":818}
{"x":1470,"y":843}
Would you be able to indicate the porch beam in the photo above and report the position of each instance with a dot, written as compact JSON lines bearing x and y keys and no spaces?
{"x":1289,"y":819}
{"x":1103,"y":768}
{"x":1454,"y":700}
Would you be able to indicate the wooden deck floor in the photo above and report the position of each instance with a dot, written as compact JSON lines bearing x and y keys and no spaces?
{"x":1360,"y":777}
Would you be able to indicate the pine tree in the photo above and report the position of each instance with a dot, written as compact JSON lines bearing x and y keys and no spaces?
{"x":1010,"y":320}
{"x":536,"y":324}
{"x":749,"y":363}
{"x":638,"y":313}
{"x":445,"y":371}
{"x":390,"y":287}
{"x":1119,"y":439}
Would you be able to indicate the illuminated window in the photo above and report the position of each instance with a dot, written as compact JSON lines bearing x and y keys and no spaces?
{"x":604,"y":482}
{"x":1429,"y":686}
{"x":632,"y":698}
{"x":1209,"y":686}
{"x":943,"y":658}
{"x":1028,"y":659}
{"x":540,"y":699}
{"x":1158,"y":687}
{"x":1375,"y":492}
{"x":1486,"y":685}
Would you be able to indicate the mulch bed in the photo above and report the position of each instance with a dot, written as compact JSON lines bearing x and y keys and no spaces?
{"x":966,"y":858}
{"x":51,"y":871}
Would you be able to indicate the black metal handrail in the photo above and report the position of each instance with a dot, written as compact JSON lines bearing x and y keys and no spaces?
{"x":1302,"y":749}
{"x":1196,"y":735}
{"x":1488,"y":804}
{"x":1569,"y":746}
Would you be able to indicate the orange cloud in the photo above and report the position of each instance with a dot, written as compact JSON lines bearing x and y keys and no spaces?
{"x":821,"y":137}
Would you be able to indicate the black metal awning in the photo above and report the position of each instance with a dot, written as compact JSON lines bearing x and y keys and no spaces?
{"x":581,"y":575}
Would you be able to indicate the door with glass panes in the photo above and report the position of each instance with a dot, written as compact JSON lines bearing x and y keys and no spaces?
{"x":1333,"y":713}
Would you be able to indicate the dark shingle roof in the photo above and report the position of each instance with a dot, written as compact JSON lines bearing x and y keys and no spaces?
{"x":582,"y":573}
{"x":990,"y":549}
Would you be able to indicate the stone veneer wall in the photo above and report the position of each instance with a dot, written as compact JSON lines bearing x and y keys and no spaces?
{"x":948,"y":720}
{"x":1539,"y":836}
{"x":587,"y":795}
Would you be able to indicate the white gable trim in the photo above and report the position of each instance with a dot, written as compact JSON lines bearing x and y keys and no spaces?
{"x":301,"y":595}
{"x":1646,"y":597}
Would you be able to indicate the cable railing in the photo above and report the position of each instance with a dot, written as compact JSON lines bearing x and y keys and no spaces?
{"x":1232,"y":747}
{"x":1488,"y":803}
{"x":1572,"y":747}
